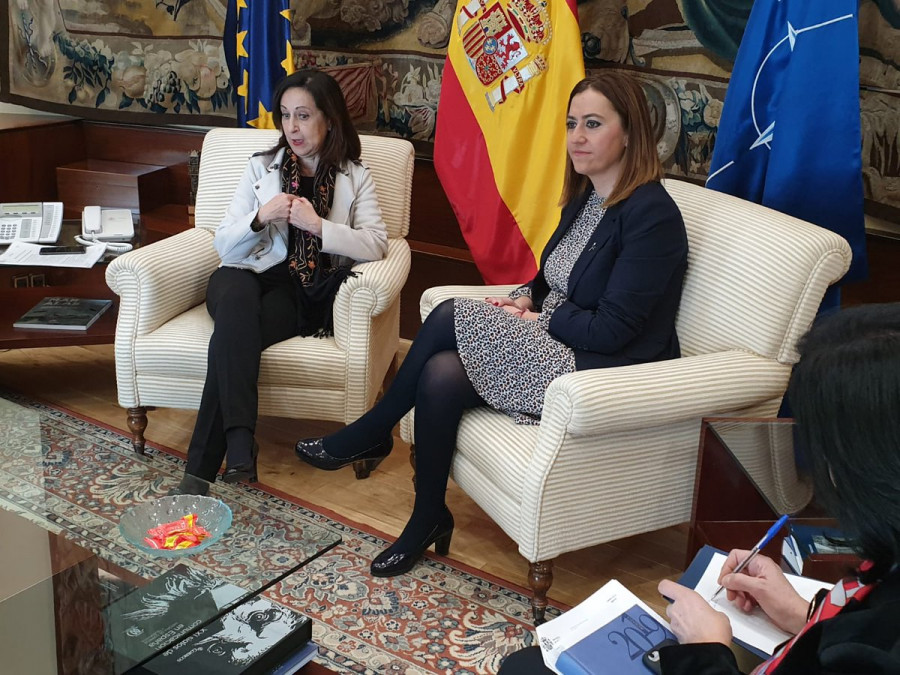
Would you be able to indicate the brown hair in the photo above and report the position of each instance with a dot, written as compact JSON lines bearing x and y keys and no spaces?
{"x":341,"y":142}
{"x":640,"y":163}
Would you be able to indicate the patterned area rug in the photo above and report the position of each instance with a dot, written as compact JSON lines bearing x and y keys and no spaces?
{"x":439,"y":618}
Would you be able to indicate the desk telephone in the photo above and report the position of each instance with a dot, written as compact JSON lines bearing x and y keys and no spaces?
{"x":107,"y":226}
{"x":30,"y":222}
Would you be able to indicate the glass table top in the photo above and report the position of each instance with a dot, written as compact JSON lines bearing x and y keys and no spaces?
{"x":64,"y":483}
{"x":766,"y":454}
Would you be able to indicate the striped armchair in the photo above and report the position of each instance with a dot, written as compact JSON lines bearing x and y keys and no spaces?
{"x":163,"y":327}
{"x":616,"y":450}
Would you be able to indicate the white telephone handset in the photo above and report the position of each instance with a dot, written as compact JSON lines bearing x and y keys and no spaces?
{"x":90,"y":220}
{"x":110,"y":227}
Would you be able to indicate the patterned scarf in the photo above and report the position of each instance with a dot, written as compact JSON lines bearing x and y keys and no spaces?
{"x":318,"y":279}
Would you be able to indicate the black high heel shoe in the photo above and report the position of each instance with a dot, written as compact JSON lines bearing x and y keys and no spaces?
{"x":390,"y":563}
{"x":243,"y":472}
{"x":312,"y":451}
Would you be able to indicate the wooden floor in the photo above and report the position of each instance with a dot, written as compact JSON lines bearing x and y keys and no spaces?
{"x":82,"y":379}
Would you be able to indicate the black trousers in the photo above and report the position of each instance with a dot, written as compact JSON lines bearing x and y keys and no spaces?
{"x":526,"y":661}
{"x":251,"y":312}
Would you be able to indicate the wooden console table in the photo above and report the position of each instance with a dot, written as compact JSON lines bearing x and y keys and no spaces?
{"x":73,"y":282}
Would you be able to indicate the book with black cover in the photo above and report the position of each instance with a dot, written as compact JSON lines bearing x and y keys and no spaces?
{"x":152,"y":617}
{"x":63,"y":313}
{"x":258,"y":636}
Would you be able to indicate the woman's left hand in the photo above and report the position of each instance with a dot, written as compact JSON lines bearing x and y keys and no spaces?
{"x":692,"y":618}
{"x":304,"y":217}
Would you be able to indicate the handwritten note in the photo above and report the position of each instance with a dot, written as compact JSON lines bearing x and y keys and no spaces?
{"x":753,"y":628}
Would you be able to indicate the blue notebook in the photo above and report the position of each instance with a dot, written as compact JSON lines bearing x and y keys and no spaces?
{"x":617,"y":647}
{"x":691,"y":578}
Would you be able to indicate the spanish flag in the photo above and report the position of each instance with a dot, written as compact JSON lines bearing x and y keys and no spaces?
{"x":500,"y":144}
{"x":258,"y":52}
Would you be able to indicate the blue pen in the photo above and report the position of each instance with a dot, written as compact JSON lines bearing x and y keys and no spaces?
{"x":761,"y":544}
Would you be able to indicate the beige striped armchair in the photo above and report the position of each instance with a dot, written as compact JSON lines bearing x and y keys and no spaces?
{"x":616,"y":450}
{"x":163,"y":327}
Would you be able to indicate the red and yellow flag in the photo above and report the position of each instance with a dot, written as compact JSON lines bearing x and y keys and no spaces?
{"x":500,"y":142}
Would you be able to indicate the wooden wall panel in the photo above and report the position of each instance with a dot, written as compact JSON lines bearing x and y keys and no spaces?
{"x":883,"y":284}
{"x":147,"y":145}
{"x":32,"y":149}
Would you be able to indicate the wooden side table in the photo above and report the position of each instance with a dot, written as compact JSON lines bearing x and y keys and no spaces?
{"x":748,"y":476}
{"x":72,"y":282}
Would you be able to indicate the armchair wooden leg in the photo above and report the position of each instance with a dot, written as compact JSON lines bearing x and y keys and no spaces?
{"x":412,"y":462}
{"x":137,"y":423}
{"x":540,"y":576}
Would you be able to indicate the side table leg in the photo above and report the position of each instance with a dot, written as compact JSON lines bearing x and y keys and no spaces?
{"x":137,"y":423}
{"x":540,"y":576}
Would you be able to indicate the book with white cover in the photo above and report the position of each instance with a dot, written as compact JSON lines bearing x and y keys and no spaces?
{"x":589,"y":628}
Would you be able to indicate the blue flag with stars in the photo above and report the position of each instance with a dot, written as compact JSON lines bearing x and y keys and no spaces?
{"x":789,"y":137}
{"x":258,"y":52}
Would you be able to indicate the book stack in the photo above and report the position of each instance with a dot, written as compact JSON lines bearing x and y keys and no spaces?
{"x":256,"y":635}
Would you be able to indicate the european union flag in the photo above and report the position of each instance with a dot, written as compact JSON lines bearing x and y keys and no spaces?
{"x":258,"y":52}
{"x":789,"y":136}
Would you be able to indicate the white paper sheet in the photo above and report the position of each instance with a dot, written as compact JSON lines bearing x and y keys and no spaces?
{"x":20,"y":253}
{"x":557,"y":635}
{"x":755,"y":628}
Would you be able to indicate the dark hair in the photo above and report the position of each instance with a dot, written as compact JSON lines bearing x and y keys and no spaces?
{"x":342,"y":142}
{"x":845,"y":393}
{"x":640,"y":163}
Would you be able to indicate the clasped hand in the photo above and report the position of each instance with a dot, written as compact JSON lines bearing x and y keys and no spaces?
{"x":761,"y":583}
{"x":298,"y":211}
{"x":521,"y":307}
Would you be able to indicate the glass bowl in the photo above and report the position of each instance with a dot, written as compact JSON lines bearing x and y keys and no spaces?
{"x":212,"y":514}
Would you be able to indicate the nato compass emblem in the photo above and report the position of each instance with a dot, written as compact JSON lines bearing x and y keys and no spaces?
{"x":764,"y":84}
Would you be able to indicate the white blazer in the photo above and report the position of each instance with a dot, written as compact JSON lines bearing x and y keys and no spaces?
{"x":353,"y":231}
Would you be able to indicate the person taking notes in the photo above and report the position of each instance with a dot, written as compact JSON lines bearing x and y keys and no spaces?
{"x":845,"y":392}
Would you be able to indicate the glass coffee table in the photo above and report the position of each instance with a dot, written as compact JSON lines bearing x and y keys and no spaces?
{"x":63,"y":485}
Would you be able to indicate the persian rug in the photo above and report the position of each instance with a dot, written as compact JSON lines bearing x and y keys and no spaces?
{"x":439,"y":618}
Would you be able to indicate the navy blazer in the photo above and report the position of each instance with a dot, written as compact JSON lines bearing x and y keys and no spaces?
{"x":625,"y":287}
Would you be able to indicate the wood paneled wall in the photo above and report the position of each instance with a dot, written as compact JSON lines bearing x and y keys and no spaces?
{"x":439,"y":254}
{"x":34,"y":146}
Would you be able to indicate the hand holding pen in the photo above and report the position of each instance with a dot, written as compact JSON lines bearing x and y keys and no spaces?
{"x":761,"y":544}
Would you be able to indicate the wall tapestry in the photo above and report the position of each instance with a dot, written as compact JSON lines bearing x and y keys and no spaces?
{"x":161,"y":61}
{"x":142,"y":61}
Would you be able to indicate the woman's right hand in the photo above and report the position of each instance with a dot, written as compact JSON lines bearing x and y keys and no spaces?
{"x":277,"y":208}
{"x":523,"y":302}
{"x":763,"y":583}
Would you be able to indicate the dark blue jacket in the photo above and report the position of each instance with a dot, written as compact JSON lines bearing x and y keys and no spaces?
{"x":625,"y":287}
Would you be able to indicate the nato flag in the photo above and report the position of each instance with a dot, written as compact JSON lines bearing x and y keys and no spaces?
{"x":258,"y":52}
{"x":789,"y":136}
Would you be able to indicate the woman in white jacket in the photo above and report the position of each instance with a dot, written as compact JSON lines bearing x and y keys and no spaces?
{"x":303,"y":213}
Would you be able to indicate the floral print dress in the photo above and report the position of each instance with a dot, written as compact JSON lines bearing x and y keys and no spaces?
{"x":511,"y":361}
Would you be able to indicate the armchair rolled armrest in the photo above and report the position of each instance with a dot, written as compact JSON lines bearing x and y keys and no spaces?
{"x":374,"y":289}
{"x":434,"y":296}
{"x":158,"y":282}
{"x":607,"y":400}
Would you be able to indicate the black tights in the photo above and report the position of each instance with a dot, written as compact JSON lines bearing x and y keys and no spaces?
{"x":433,"y":379}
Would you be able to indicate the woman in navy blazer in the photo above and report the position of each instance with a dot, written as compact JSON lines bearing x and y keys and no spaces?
{"x":606,"y":294}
